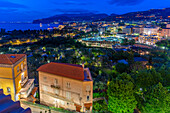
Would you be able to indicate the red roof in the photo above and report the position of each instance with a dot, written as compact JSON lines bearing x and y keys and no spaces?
{"x":88,"y":105}
{"x":10,"y":58}
{"x":62,"y":69}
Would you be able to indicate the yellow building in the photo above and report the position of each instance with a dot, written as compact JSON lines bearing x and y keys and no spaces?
{"x":14,"y":76}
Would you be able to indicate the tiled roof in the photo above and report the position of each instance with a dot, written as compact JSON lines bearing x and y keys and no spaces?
{"x":10,"y":58}
{"x":62,"y":69}
{"x":88,"y":105}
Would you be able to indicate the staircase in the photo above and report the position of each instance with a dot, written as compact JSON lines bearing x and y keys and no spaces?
{"x":9,"y":106}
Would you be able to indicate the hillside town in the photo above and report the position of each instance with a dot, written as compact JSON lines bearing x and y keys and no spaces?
{"x":103,"y":34}
{"x":113,"y":64}
{"x":73,"y":67}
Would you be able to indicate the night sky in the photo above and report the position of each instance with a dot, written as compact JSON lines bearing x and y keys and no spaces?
{"x":27,"y":10}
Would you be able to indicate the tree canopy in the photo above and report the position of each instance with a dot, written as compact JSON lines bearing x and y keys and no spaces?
{"x":121,"y":94}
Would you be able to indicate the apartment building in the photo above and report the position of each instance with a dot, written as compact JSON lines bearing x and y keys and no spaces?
{"x":165,"y":32}
{"x":138,"y":29}
{"x":14,"y":76}
{"x":151,"y":30}
{"x":66,"y":86}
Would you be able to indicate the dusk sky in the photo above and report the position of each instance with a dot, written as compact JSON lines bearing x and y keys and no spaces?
{"x":28,"y":10}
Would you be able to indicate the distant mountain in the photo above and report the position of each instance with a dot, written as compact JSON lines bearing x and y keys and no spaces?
{"x":72,"y":17}
{"x":141,"y":15}
{"x":151,"y":14}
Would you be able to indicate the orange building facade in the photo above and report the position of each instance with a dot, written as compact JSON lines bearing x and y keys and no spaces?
{"x":14,"y":76}
{"x":165,"y":32}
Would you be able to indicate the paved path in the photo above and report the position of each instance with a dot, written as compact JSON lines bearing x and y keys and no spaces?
{"x":97,"y":99}
{"x":36,"y":109}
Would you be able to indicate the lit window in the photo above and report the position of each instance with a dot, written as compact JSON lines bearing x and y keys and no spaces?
{"x":24,"y":63}
{"x":22,"y":67}
{"x":62,"y":102}
{"x":56,"y":91}
{"x":88,"y":98}
{"x":55,"y":82}
{"x":17,"y":69}
{"x":68,"y":95}
{"x":45,"y":88}
{"x":8,"y":89}
{"x":22,"y":77}
{"x":68,"y":84}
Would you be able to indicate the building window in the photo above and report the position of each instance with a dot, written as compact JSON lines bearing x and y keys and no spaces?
{"x":22,"y":67}
{"x":45,"y":88}
{"x":68,"y":95}
{"x":88,"y":98}
{"x":88,"y":88}
{"x":68,"y":84}
{"x":62,"y":102}
{"x":8,"y":90}
{"x":56,"y":91}
{"x":22,"y":77}
{"x":56,"y":82}
{"x":24,"y":63}
{"x":45,"y":79}
{"x":17,"y":69}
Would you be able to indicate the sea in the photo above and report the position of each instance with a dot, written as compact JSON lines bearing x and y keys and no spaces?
{"x":26,"y":26}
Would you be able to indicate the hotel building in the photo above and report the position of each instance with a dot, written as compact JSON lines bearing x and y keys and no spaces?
{"x":66,"y":86}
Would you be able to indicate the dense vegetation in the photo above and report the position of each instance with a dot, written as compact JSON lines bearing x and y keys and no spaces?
{"x":124,"y":87}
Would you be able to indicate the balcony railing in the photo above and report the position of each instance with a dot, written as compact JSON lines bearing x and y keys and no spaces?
{"x":55,"y":86}
{"x":27,"y":88}
{"x":24,"y":81}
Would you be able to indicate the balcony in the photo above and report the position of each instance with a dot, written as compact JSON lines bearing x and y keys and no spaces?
{"x":27,"y":88}
{"x":24,"y":81}
{"x":22,"y":70}
{"x":55,"y":86}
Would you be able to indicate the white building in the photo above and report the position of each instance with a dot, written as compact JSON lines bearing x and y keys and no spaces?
{"x":151,"y":30}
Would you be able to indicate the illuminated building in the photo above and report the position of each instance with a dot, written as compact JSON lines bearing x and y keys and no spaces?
{"x":168,"y":26}
{"x":138,"y":30}
{"x":127,"y":30}
{"x":165,"y":32}
{"x":150,"y":30}
{"x":14,"y":76}
{"x":67,"y":86}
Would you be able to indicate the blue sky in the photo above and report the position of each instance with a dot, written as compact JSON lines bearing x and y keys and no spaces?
{"x":28,"y":10}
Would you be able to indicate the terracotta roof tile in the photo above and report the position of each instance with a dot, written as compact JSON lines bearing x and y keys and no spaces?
{"x":10,"y":58}
{"x":62,"y":69}
{"x":88,"y":105}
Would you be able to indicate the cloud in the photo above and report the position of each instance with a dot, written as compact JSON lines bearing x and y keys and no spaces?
{"x":71,"y":2}
{"x":75,"y":11}
{"x":6,"y":4}
{"x":74,"y":3}
{"x":125,"y":2}
{"x":8,"y":10}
